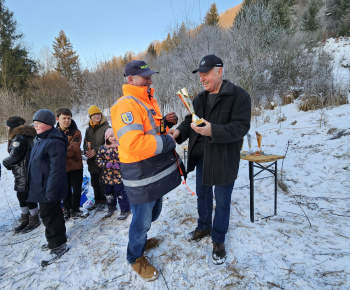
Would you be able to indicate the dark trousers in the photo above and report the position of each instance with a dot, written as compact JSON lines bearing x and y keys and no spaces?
{"x":75,"y":180}
{"x":98,"y":186}
{"x":53,"y":220}
{"x":22,"y":196}
{"x":114,"y":192}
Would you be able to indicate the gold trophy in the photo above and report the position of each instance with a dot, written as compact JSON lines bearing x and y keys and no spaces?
{"x":89,"y":145}
{"x":183,"y":95}
{"x":259,"y":139}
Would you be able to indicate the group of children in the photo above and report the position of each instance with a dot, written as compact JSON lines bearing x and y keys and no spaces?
{"x":46,"y":161}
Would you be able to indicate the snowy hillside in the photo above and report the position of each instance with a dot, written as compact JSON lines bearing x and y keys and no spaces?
{"x":305,"y":246}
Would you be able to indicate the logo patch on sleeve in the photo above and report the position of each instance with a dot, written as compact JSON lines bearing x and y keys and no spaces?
{"x":127,"y":117}
{"x":153,"y":112}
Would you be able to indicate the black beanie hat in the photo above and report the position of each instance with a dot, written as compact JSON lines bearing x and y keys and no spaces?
{"x":15,"y":121}
{"x":45,"y":116}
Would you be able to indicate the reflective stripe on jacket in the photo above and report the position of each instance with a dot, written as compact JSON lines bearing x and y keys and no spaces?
{"x":148,"y":162}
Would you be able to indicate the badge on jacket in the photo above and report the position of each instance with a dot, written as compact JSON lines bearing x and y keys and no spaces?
{"x":127,"y":118}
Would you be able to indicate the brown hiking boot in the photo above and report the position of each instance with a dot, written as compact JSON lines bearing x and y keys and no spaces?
{"x":197,"y":235}
{"x":145,"y":269}
{"x":151,"y":244}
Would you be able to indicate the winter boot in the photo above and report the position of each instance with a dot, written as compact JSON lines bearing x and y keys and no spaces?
{"x":111,"y":210}
{"x":66,"y":214}
{"x":123,"y":215}
{"x":219,"y":253}
{"x":55,"y":254}
{"x":145,"y":269}
{"x":76,"y":214}
{"x":23,"y":224}
{"x":151,"y":244}
{"x":34,"y":222}
{"x":197,"y":235}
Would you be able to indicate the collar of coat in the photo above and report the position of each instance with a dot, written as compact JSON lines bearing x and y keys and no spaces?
{"x":24,"y":130}
{"x":136,"y":91}
{"x":103,"y":120}
{"x":71,"y":128}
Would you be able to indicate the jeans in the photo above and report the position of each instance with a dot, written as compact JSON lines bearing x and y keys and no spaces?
{"x":223,"y":194}
{"x":142,"y":217}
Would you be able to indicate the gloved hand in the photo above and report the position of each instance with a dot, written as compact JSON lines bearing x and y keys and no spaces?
{"x":116,"y":166}
{"x":109,"y":165}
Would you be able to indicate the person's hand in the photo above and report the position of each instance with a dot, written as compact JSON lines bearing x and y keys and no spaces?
{"x":116,"y":166}
{"x":90,"y":154}
{"x":204,"y":131}
{"x":171,"y":117}
{"x":174,"y":133}
{"x":109,"y":165}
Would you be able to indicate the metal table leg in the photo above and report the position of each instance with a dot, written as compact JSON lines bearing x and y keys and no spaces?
{"x":251,"y":178}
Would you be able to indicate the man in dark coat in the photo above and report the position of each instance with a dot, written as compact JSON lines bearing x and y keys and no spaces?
{"x":214,"y":149}
{"x":47,"y":181}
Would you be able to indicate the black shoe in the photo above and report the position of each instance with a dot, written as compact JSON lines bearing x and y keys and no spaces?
{"x":66,"y":214}
{"x":45,"y":247}
{"x":101,"y":207}
{"x":123,"y":215}
{"x":79,"y":214}
{"x":24,"y":223}
{"x":219,"y":253}
{"x":34,"y":222}
{"x":197,"y":235}
{"x":55,"y":254}
{"x":111,"y":210}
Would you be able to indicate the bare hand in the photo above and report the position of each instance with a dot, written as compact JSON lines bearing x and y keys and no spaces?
{"x":204,"y":131}
{"x":174,"y":133}
{"x":171,"y":117}
{"x":90,"y":154}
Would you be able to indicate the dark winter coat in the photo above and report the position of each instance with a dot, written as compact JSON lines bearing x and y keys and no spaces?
{"x":20,"y":146}
{"x":230,"y":122}
{"x":74,"y":158}
{"x":47,"y":179}
{"x":96,"y":135}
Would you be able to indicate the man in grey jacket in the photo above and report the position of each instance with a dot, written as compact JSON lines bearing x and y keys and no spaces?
{"x":214,"y":149}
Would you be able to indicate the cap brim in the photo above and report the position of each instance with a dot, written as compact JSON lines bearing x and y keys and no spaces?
{"x":202,"y":69}
{"x":148,"y":73}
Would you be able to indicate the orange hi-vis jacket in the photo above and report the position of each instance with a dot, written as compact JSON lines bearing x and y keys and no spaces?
{"x":148,"y":163}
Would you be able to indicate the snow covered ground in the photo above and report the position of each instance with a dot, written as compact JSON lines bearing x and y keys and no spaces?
{"x":307,"y":245}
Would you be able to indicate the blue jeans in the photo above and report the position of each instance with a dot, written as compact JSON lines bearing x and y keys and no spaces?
{"x":223,"y":194}
{"x":142,"y":217}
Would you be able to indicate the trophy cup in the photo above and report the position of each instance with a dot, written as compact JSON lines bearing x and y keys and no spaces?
{"x":183,"y":95}
{"x":249,"y":138}
{"x":259,"y":138}
{"x":89,"y":144}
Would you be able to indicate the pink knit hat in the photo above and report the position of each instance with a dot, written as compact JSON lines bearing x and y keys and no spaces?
{"x":108,"y":133}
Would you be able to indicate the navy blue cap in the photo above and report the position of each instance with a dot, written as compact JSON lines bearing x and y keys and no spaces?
{"x":208,"y":62}
{"x":138,"y":68}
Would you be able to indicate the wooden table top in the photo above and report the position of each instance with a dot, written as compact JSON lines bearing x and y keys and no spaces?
{"x":262,"y":158}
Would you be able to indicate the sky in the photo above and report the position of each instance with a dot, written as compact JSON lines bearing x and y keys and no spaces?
{"x":102,"y":29}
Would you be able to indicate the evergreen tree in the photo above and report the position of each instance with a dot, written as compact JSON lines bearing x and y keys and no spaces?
{"x":280,"y":13}
{"x":67,"y":60}
{"x":310,"y":21}
{"x":151,"y":50}
{"x":212,"y":16}
{"x":15,"y":66}
{"x":339,"y":11}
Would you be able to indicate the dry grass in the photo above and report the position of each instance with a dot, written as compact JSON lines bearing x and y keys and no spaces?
{"x":318,"y":101}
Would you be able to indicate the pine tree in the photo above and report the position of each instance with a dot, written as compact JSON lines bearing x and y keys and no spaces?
{"x":15,"y":66}
{"x":212,"y":16}
{"x":67,"y":60}
{"x":151,"y":50}
{"x":310,"y":22}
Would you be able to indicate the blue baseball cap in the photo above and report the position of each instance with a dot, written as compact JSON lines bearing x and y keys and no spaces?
{"x":138,"y":68}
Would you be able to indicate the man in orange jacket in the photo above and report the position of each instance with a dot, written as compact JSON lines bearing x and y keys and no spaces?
{"x":148,"y":163}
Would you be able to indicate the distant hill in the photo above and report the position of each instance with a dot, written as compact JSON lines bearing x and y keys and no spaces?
{"x":227,"y":17}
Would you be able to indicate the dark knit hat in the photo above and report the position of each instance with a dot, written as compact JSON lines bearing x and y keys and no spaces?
{"x":15,"y":121}
{"x":45,"y":116}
